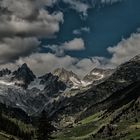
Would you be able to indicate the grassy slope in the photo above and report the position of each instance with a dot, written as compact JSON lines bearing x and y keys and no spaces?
{"x":4,"y":136}
{"x":83,"y":129}
{"x":26,"y":128}
{"x":120,"y":120}
{"x":91,"y":125}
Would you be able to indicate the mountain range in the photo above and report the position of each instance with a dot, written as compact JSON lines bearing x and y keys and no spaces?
{"x":102,"y":99}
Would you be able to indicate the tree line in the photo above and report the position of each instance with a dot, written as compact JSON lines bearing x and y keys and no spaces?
{"x":42,"y":130}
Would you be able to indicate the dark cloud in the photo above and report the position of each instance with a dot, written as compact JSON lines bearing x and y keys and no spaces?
{"x":22,"y":22}
{"x":14,"y":48}
{"x":43,"y":24}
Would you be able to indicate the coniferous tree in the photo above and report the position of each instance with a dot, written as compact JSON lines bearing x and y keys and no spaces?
{"x":44,"y":128}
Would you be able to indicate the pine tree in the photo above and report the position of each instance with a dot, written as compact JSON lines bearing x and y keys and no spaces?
{"x":44,"y":128}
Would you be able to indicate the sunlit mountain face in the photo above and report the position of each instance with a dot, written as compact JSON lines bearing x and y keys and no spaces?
{"x":76,"y":35}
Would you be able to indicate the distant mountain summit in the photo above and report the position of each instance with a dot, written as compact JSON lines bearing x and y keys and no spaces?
{"x":68,"y":77}
{"x":128,"y":72}
{"x":52,"y":84}
{"x":63,"y":89}
{"x":97,"y":74}
{"x":23,"y":76}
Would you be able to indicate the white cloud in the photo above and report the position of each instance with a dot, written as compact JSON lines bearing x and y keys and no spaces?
{"x":42,"y":63}
{"x":76,"y":44}
{"x":125,"y":50}
{"x":46,"y":62}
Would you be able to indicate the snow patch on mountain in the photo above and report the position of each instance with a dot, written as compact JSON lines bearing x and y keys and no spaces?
{"x":85,"y":83}
{"x":36,"y":84}
{"x":101,"y":76}
{"x":6,"y":83}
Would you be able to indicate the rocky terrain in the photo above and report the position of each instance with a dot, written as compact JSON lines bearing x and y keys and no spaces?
{"x":23,"y":89}
{"x":110,"y":110}
{"x":111,"y":96}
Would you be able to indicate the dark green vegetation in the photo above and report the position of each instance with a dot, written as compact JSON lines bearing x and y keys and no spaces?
{"x":44,"y":127}
{"x":13,"y":124}
{"x":117,"y":117}
{"x":16,"y":125}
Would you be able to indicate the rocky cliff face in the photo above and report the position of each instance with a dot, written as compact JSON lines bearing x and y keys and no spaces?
{"x":52,"y":84}
{"x":23,"y":76}
{"x":68,"y":77}
{"x":97,"y":75}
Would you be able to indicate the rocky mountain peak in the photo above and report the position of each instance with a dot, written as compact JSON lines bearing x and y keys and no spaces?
{"x":62,"y":71}
{"x":68,"y":77}
{"x":24,"y":75}
{"x":4,"y":72}
{"x":24,"y":66}
{"x":52,"y":84}
{"x":48,"y":77}
{"x":98,"y":74}
{"x":128,"y":71}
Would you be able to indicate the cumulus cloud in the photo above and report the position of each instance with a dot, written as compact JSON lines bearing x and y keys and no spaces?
{"x":28,"y":18}
{"x":74,"y":45}
{"x":44,"y":24}
{"x":22,"y":23}
{"x":13,"y":48}
{"x":46,"y":62}
{"x":125,"y":50}
{"x":42,"y":63}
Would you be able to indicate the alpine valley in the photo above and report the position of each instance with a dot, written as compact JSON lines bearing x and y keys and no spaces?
{"x":103,"y":105}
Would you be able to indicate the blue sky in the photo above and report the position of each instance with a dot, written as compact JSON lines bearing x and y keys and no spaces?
{"x":108,"y":25}
{"x":75,"y":34}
